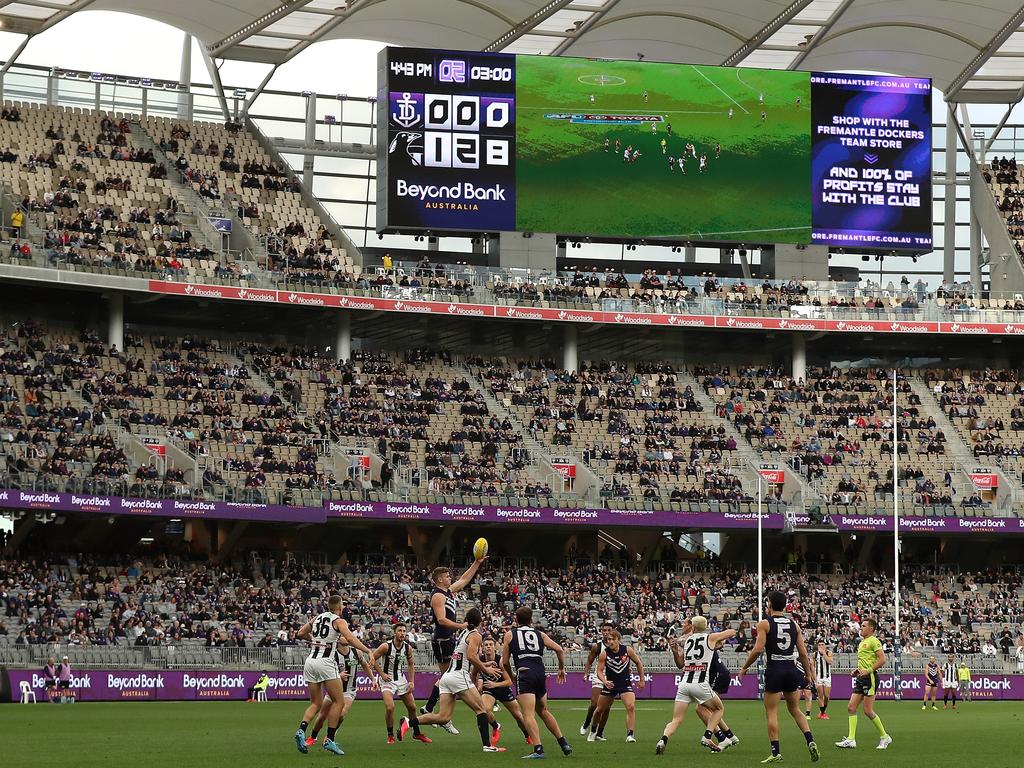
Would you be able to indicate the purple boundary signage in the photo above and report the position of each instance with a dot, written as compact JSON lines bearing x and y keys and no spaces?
{"x":232,"y":685}
{"x":464,"y":513}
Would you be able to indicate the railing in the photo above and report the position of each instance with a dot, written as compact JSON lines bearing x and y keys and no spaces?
{"x":194,"y":655}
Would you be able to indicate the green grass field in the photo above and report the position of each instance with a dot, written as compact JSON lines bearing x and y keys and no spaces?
{"x":757,"y":190}
{"x":180,"y":735}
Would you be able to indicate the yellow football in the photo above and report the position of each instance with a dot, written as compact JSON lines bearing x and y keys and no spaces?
{"x":480,"y":548}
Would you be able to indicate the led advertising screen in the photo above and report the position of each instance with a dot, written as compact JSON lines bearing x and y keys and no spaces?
{"x":627,"y":149}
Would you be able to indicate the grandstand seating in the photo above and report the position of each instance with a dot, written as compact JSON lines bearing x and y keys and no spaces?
{"x":171,"y":611}
{"x":231,"y":164}
{"x":836,"y":429}
{"x":266,"y":423}
{"x":640,"y":430}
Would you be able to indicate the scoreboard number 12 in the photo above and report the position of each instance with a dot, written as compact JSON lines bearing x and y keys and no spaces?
{"x":452,"y":136}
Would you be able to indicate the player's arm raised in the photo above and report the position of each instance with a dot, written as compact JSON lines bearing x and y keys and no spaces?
{"x":342,"y":627}
{"x":600,"y":670}
{"x":559,"y":654}
{"x":805,"y":658}
{"x":437,"y":606}
{"x":467,"y":576}
{"x":717,"y":637}
{"x":758,"y":649}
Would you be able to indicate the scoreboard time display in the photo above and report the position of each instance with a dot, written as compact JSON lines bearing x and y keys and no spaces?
{"x":485,"y":142}
{"x":450,"y":127}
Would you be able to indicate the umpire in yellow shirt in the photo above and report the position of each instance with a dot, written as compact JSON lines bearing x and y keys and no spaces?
{"x":870,"y":659}
{"x":963,"y":676}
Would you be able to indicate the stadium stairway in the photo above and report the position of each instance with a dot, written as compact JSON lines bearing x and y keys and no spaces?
{"x":962,"y":452}
{"x":586,"y":485}
{"x":338,"y":234}
{"x":796,"y":487}
{"x":1006,"y":263}
{"x":193,"y":210}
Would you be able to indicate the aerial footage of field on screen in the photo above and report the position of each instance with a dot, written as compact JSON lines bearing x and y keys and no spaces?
{"x":638,"y":149}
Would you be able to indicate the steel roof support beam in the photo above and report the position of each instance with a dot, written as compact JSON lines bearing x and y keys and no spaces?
{"x":57,"y":18}
{"x":527,"y":25}
{"x":766,"y":32}
{"x":14,"y":56}
{"x":255,"y":27}
{"x":1011,"y":26}
{"x":351,"y":7}
{"x":824,"y":30}
{"x":218,"y":86}
{"x":598,"y":15}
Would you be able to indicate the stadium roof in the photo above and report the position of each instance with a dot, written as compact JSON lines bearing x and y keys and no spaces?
{"x":973,"y":49}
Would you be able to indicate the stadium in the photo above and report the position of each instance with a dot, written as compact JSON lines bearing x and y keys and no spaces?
{"x":603,"y":380}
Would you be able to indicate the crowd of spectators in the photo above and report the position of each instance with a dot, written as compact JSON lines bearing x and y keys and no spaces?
{"x":175,"y":601}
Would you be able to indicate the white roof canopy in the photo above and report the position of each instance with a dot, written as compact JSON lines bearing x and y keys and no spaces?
{"x":973,"y":49}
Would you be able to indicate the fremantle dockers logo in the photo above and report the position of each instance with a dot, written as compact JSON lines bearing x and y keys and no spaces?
{"x":406,"y":109}
{"x":407,"y":113}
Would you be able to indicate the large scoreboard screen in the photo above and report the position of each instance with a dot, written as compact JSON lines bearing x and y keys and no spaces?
{"x":625,"y":149}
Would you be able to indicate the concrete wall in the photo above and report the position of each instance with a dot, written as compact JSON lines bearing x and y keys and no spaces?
{"x":534,"y":252}
{"x":785,"y":262}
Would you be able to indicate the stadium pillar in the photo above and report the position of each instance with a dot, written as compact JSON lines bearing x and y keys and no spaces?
{"x":307,"y":160}
{"x":115,"y":322}
{"x":689,"y":254}
{"x":949,"y":223}
{"x":975,"y":252}
{"x":185,"y":76}
{"x":343,"y":345}
{"x":21,"y":530}
{"x":570,"y":350}
{"x":799,"y":356}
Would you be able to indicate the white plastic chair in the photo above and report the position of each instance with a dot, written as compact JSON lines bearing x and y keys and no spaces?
{"x":261,"y":695}
{"x":26,"y":692}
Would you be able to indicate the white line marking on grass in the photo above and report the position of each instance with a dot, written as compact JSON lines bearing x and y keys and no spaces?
{"x":730,"y":98}
{"x":755,"y":90}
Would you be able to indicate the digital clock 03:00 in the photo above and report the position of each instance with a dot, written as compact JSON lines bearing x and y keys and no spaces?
{"x":491,"y":74}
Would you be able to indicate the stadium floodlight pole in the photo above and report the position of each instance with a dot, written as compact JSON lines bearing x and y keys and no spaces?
{"x":760,"y":554}
{"x":895,"y":542}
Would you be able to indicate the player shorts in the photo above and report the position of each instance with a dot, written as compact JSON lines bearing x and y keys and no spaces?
{"x":866,"y":685}
{"x":505,"y":694}
{"x":443,"y":649}
{"x":320,"y":670}
{"x":931,"y":682}
{"x":529,"y":680}
{"x":594,"y":682}
{"x":825,"y":681}
{"x":454,"y":683}
{"x":65,"y":684}
{"x":51,"y":682}
{"x":949,"y":684}
{"x":694,"y":693}
{"x":617,"y":691}
{"x":720,"y":681}
{"x":351,"y":694}
{"x":783,"y":677}
{"x":397,"y":688}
